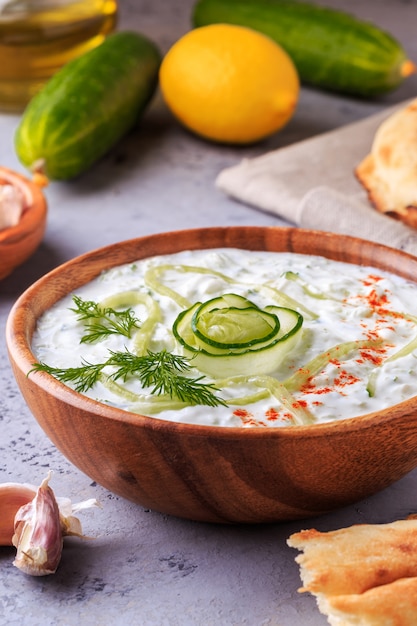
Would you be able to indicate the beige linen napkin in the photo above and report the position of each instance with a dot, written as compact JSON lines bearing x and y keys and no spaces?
{"x":323,"y":208}
{"x":312,"y":184}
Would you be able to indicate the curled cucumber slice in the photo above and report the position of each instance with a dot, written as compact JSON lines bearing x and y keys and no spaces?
{"x":230,"y":336}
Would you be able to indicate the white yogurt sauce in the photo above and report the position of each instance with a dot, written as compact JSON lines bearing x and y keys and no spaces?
{"x":351,"y":303}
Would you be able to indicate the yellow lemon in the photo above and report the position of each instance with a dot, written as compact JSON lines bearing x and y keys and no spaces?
{"x":229,"y":83}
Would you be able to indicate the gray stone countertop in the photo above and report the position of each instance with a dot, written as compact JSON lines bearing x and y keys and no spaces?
{"x":145,"y":568}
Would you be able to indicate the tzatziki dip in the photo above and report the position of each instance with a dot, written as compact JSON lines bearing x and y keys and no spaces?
{"x":232,"y":337}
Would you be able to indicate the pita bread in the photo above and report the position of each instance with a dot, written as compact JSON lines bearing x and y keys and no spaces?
{"x":356,"y":572}
{"x":388,"y":605}
{"x":389,"y":172}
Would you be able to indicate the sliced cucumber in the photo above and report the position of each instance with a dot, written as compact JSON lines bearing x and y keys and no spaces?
{"x":230,"y":322}
{"x":225,"y":340}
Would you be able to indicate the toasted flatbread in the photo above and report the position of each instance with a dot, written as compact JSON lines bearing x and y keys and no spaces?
{"x":354,"y":572}
{"x":357,"y":558}
{"x":394,"y":604}
{"x":389,"y":172}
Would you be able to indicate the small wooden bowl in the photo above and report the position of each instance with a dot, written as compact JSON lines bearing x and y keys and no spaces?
{"x":208,"y":473}
{"x":19,"y":242}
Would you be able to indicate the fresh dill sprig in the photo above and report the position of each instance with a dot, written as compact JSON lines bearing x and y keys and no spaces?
{"x":103,"y":321}
{"x":163,"y":372}
{"x":83,"y":377}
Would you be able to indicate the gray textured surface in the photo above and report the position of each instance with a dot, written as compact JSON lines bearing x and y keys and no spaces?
{"x":144,"y":568}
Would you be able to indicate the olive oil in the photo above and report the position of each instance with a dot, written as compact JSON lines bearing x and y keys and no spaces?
{"x":37,"y":37}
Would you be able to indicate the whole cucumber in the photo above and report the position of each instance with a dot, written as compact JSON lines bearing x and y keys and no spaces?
{"x":88,"y":105}
{"x":331,"y":49}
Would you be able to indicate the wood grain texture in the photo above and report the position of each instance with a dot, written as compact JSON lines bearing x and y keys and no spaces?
{"x":216,"y":474}
{"x":19,"y":242}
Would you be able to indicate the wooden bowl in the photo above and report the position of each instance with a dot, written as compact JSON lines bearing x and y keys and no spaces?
{"x":208,"y":473}
{"x":19,"y":242}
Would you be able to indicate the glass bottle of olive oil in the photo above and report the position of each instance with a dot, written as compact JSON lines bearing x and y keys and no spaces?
{"x":37,"y":37}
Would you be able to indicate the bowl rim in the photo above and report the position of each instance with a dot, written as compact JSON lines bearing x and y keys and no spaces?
{"x":20,"y":353}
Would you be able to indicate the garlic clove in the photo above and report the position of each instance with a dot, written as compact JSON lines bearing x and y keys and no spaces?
{"x":35,"y":521}
{"x":12,"y":497}
{"x":38,"y":533}
{"x":71,"y":525}
{"x":12,"y":204}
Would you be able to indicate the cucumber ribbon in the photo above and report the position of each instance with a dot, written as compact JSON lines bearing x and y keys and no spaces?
{"x":231,"y":336}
